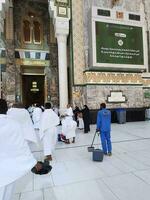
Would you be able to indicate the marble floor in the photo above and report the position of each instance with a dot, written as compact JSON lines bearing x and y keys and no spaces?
{"x":124,"y":176}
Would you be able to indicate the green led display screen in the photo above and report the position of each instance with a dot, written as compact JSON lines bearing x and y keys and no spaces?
{"x":119,"y":44}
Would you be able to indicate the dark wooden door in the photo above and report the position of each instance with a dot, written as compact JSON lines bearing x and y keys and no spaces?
{"x":33,"y":89}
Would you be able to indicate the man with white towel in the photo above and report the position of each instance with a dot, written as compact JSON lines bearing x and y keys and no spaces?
{"x":21,"y":115}
{"x":15,"y":155}
{"x":48,"y":130}
{"x":36,"y":116}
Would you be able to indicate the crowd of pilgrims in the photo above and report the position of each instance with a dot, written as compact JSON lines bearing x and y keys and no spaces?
{"x":39,"y":124}
{"x":22,"y":128}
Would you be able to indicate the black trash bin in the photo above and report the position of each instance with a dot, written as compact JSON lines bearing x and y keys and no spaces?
{"x":121,"y":115}
{"x":147,"y":114}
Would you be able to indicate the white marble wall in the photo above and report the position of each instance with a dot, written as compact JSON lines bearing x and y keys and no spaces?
{"x":95,"y":94}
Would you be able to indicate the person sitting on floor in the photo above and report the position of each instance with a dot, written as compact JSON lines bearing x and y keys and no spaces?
{"x":69,"y":125}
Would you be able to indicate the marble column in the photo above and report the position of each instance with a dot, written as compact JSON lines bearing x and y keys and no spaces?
{"x":62,"y":63}
{"x":60,"y":12}
{"x":10,"y":56}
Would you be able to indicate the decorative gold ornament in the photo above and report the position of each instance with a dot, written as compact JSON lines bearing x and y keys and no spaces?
{"x":112,"y":78}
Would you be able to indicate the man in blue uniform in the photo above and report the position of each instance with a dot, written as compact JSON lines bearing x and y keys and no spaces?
{"x":104,"y":126}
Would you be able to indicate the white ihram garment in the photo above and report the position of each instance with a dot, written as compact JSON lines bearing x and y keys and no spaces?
{"x":48,"y":131}
{"x":15,"y":156}
{"x":36,"y":116}
{"x":6,"y":192}
{"x":68,"y":124}
{"x":81,"y":123}
{"x":69,"y":127}
{"x":22,"y":116}
{"x":69,"y":112}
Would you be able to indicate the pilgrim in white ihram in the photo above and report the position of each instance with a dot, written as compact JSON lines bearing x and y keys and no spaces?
{"x":22,"y":116}
{"x":69,"y":125}
{"x":48,"y":130}
{"x":16,"y":158}
{"x":36,"y":116}
{"x":80,"y":119}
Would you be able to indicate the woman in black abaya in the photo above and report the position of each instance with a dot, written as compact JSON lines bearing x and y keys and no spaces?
{"x":86,"y":118}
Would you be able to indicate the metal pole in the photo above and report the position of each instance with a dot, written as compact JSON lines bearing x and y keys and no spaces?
{"x":0,"y":81}
{"x":1,"y":73}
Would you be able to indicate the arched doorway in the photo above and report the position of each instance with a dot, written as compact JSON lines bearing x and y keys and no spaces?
{"x":33,"y":89}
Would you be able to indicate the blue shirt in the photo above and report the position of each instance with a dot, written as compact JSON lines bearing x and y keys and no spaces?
{"x":104,"y":120}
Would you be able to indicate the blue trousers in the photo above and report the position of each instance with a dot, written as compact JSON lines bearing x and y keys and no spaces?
{"x":106,"y":142}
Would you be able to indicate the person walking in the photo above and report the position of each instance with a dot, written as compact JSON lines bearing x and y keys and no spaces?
{"x":104,"y":126}
{"x":36,"y":116}
{"x":15,"y":155}
{"x":86,"y":118}
{"x":48,"y":130}
{"x":80,"y":120}
{"x":76,"y":111}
